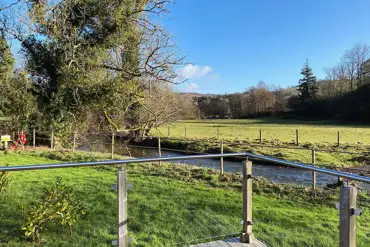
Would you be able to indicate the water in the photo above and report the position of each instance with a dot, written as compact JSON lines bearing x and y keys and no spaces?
{"x":275,"y":173}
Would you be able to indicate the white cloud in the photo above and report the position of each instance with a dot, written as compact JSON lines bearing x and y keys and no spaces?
{"x":193,"y":86}
{"x":191,"y":71}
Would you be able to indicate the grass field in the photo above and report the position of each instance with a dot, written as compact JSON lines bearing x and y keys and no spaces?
{"x":169,"y":204}
{"x":278,"y":135}
{"x":273,"y":130}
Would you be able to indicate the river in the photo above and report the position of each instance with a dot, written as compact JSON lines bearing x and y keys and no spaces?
{"x":274,"y":173}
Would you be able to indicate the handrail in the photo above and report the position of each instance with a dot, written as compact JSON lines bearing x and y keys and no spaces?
{"x":188,"y":157}
{"x":312,"y":168}
{"x":115,"y":162}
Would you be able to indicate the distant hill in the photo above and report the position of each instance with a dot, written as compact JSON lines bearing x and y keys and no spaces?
{"x":197,"y":95}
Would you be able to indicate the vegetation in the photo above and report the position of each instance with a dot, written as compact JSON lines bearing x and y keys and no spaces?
{"x":57,"y":205}
{"x":106,"y":65}
{"x":307,"y":87}
{"x":186,"y":203}
{"x":274,"y":130}
{"x":277,"y":133}
{"x":4,"y":181}
{"x":342,"y":95}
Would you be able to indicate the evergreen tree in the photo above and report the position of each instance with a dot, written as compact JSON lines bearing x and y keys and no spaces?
{"x":6,"y":59}
{"x":16,"y":98}
{"x":307,"y":85}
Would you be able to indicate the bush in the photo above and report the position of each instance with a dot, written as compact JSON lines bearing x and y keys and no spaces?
{"x":57,"y":205}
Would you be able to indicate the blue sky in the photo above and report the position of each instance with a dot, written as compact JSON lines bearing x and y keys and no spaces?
{"x":235,"y":44}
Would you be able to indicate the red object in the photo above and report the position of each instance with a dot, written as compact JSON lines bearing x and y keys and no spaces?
{"x":22,"y":138}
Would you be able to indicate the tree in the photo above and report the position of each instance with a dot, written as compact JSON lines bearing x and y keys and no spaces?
{"x":307,"y":87}
{"x":6,"y":59}
{"x":16,"y":98}
{"x":88,"y":56}
{"x":354,"y":58}
{"x":348,"y":74}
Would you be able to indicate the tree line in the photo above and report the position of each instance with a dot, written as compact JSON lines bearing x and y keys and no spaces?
{"x":342,"y":95}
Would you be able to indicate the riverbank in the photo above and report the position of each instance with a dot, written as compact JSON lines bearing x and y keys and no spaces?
{"x":339,"y":158}
{"x":170,"y":204}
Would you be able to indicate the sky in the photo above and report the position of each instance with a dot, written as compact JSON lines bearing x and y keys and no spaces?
{"x":232,"y":45}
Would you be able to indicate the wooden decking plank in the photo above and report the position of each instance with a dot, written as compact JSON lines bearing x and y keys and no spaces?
{"x":233,"y":242}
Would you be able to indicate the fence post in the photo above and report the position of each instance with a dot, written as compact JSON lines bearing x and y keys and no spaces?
{"x":122,"y":207}
{"x":168,"y":131}
{"x":347,"y":216}
{"x":159,"y":149}
{"x":74,"y":141}
{"x":297,"y":137}
{"x":338,"y":138}
{"x":260,"y":136}
{"x":218,"y":131}
{"x":52,"y":140}
{"x":222,"y":158}
{"x":34,"y":137}
{"x":185,"y":131}
{"x":247,"y":235}
{"x":313,"y":172}
{"x":113,"y":145}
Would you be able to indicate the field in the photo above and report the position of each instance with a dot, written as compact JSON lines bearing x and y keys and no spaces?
{"x":168,"y":205}
{"x":273,"y":129}
{"x":278,"y":139}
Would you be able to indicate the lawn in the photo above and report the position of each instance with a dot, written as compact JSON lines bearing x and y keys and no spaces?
{"x":273,"y":129}
{"x":168,"y":205}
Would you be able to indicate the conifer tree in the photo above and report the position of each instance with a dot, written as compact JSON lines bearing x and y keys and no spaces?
{"x":307,"y":85}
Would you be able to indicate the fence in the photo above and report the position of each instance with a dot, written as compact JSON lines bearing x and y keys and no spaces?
{"x":261,"y":134}
{"x":347,"y":206}
{"x":106,"y":142}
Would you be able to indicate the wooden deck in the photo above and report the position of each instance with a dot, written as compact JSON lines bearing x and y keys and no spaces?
{"x":233,"y":242}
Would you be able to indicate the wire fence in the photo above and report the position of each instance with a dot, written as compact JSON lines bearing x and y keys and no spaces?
{"x":279,"y":135}
{"x":116,"y":144}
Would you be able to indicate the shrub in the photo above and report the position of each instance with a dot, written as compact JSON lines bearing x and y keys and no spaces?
{"x":57,"y":205}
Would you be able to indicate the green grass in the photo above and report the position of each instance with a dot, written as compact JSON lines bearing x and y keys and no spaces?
{"x":170,"y":204}
{"x":273,"y":129}
{"x":277,"y":134}
{"x":323,"y":158}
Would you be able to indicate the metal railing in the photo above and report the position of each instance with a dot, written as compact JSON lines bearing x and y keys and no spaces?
{"x":348,"y":193}
{"x":190,"y":157}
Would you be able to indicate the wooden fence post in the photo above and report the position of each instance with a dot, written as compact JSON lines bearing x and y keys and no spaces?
{"x":222,"y":158}
{"x":159,"y":149}
{"x":122,"y":207}
{"x":168,"y":131}
{"x":218,"y":131}
{"x":338,"y":138}
{"x":113,"y":145}
{"x":52,"y":140}
{"x":34,"y":137}
{"x":297,"y":137}
{"x":313,"y":172}
{"x":260,"y":136}
{"x":347,"y":216}
{"x":74,"y":141}
{"x":247,"y":235}
{"x":185,"y":131}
